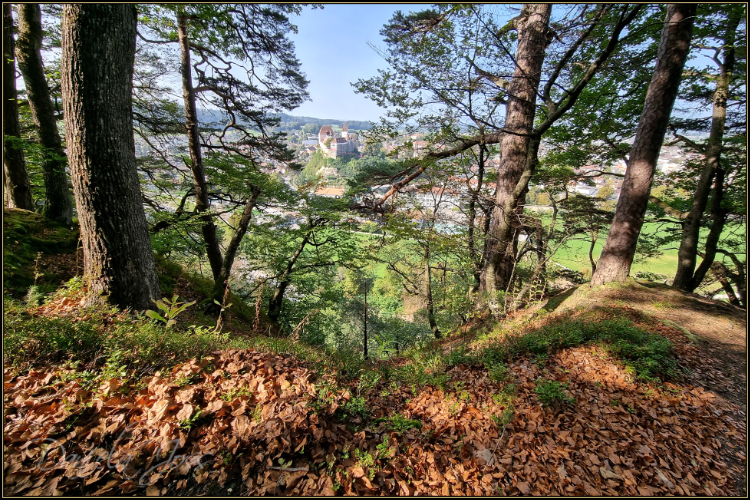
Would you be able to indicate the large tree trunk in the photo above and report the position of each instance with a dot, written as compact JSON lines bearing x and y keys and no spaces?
{"x":619,"y":249}
{"x":519,"y":124}
{"x":17,"y":186}
{"x":686,"y":255}
{"x":221,"y":284}
{"x":98,"y":53}
{"x":58,"y":204}
{"x":213,"y":250}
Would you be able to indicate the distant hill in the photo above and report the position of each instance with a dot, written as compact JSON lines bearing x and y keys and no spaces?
{"x":289,"y":122}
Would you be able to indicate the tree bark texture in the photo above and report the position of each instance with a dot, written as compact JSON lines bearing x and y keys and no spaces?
{"x":17,"y":186}
{"x":98,"y":53}
{"x":619,"y":249}
{"x":686,"y":255}
{"x":58,"y":204}
{"x":519,"y":125}
{"x":213,"y":250}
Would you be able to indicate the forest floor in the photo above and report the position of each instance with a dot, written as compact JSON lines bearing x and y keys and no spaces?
{"x":529,"y":405}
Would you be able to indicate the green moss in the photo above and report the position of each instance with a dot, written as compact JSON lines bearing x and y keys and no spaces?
{"x":25,"y":236}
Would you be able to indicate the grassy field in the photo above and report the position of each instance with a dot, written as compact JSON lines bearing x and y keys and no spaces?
{"x":575,"y":255}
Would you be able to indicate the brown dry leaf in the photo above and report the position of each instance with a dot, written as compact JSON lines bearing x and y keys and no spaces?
{"x":185,"y":413}
{"x":523,"y":486}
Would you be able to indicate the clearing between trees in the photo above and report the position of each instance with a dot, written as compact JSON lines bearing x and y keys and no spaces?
{"x":633,"y":389}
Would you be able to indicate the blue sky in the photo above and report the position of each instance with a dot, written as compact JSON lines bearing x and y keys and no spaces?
{"x":332,"y":47}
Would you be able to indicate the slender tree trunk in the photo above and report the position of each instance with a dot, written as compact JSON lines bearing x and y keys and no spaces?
{"x":519,"y":124}
{"x":274,"y":307}
{"x":17,"y":186}
{"x":366,"y":353}
{"x":719,"y":216}
{"x":739,"y":278}
{"x":721,"y":272}
{"x":508,"y":229}
{"x":619,"y":249}
{"x":221,"y":283}
{"x":594,"y":237}
{"x":428,"y":294}
{"x":686,"y":255}
{"x":58,"y":204}
{"x":213,"y":250}
{"x":476,"y":258}
{"x":98,"y":53}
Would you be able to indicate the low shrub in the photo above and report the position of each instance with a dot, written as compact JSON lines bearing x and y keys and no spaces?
{"x":550,"y":393}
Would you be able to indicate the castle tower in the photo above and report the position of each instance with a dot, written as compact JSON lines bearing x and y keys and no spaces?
{"x":344,"y":131}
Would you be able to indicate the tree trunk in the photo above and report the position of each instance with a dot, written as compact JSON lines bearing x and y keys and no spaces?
{"x":619,"y":249}
{"x":594,"y":236}
{"x":274,"y":307}
{"x":476,"y":258}
{"x":17,"y":186}
{"x":221,"y":283}
{"x":213,"y":250}
{"x":428,"y":294}
{"x":519,"y":124}
{"x":366,"y":352}
{"x":58,"y":204}
{"x":719,"y":216}
{"x":686,"y":255}
{"x":721,"y":273}
{"x":98,"y":53}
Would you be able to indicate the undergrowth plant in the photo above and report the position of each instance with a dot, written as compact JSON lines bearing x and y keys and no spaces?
{"x":171,"y":310}
{"x":551,"y":393}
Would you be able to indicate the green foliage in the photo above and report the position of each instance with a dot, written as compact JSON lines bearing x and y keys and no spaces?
{"x":398,"y":423}
{"x":356,"y":407}
{"x":189,"y":423}
{"x":551,"y":393}
{"x":130,"y":340}
{"x":499,"y":373}
{"x":505,"y":417}
{"x":115,"y":366}
{"x":171,"y":310}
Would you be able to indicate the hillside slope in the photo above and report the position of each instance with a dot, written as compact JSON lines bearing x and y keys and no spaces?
{"x":622,"y":390}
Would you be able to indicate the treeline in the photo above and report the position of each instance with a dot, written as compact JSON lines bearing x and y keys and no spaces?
{"x":452,"y":238}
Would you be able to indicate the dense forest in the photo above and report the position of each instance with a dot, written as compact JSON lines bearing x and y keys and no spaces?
{"x":528,"y":277}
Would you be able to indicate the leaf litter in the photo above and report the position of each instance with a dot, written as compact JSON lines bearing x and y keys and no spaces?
{"x":254,"y":423}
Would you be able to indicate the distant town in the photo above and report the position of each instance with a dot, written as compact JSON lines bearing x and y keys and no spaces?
{"x":446,"y":201}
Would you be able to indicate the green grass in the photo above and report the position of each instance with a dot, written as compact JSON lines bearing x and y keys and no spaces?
{"x":575,"y":255}
{"x":647,"y":355}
